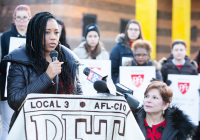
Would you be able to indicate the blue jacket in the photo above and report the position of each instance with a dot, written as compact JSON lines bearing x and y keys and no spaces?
{"x":118,"y":52}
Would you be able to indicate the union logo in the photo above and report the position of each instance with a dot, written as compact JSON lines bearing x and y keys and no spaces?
{"x":137,"y":79}
{"x":183,"y":87}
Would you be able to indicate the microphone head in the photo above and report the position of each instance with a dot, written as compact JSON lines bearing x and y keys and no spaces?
{"x":86,"y":71}
{"x":53,"y":53}
{"x":101,"y":86}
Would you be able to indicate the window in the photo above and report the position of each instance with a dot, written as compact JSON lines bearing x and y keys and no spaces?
{"x":123,"y":24}
{"x":87,"y":19}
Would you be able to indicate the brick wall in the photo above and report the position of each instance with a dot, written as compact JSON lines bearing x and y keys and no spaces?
{"x":109,"y":13}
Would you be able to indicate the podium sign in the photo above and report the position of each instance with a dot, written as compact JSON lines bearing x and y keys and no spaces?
{"x":73,"y":117}
{"x":137,"y":78}
{"x":186,"y":95}
{"x":102,"y":65}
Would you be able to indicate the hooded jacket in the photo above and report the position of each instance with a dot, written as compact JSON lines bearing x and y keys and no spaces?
{"x":170,"y":68}
{"x":152,"y":63}
{"x":81,"y":52}
{"x":5,"y":43}
{"x":119,"y":52}
{"x":178,"y":126}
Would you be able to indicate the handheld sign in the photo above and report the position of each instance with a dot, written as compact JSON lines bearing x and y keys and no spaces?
{"x":186,"y":95}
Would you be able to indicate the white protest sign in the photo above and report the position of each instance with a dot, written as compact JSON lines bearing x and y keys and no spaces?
{"x":199,"y":95}
{"x":70,"y":117}
{"x":137,"y":78}
{"x":15,"y":42}
{"x":186,"y":95}
{"x":102,"y":65}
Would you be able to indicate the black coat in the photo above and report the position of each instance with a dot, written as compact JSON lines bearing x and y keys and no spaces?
{"x":170,"y":68}
{"x":5,"y":43}
{"x":23,"y":78}
{"x":178,"y":126}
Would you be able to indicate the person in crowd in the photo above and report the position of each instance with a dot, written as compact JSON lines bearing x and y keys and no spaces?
{"x":142,"y":50}
{"x":92,"y":47}
{"x":21,"y":17}
{"x":157,"y":120}
{"x":122,"y":54}
{"x":32,"y":69}
{"x":62,"y":36}
{"x":198,"y":61}
{"x":178,"y":62}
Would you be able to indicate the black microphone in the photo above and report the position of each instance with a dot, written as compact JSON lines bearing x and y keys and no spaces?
{"x":54,"y":57}
{"x":101,"y":87}
{"x":94,"y":75}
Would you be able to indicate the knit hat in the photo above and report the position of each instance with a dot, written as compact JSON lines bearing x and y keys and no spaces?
{"x":91,"y":27}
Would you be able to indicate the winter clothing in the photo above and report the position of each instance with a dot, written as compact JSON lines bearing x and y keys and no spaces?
{"x":23,"y":78}
{"x":170,"y":68}
{"x":81,"y":52}
{"x":91,"y":27}
{"x":119,"y":52}
{"x":178,"y":126}
{"x":5,"y":43}
{"x":152,"y":63}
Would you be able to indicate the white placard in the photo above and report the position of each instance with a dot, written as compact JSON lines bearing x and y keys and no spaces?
{"x":15,"y":42}
{"x":186,"y":95}
{"x":137,"y":78}
{"x":103,"y":65}
{"x":73,"y":117}
{"x":199,"y":95}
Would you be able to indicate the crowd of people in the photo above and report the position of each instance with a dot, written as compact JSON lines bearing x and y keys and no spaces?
{"x":33,"y":71}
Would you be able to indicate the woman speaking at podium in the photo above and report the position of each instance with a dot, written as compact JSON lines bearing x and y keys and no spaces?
{"x":32,"y":69}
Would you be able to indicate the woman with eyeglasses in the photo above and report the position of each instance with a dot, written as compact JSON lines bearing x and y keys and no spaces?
{"x":142,"y":50}
{"x":178,"y":62}
{"x":121,"y":54}
{"x":21,"y":17}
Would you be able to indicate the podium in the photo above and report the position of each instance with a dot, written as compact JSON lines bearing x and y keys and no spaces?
{"x":75,"y":117}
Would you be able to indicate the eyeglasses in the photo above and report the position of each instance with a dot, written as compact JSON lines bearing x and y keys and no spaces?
{"x":140,"y":55}
{"x":132,"y":29}
{"x":22,"y":19}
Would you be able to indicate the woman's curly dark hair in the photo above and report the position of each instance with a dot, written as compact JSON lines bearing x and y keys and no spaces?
{"x":35,"y":44}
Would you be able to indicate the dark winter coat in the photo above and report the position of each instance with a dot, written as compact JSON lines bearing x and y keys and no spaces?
{"x":152,"y":63}
{"x":178,"y":126}
{"x":5,"y":43}
{"x":170,"y":68}
{"x":118,"y":52}
{"x":23,"y":78}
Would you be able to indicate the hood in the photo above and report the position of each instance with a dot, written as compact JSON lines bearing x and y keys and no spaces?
{"x":181,"y":122}
{"x":150,"y":62}
{"x":120,"y":38}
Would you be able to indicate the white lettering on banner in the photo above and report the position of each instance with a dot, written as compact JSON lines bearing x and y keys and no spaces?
{"x":76,"y":118}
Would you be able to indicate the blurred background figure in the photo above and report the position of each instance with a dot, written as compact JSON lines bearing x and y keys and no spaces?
{"x":122,"y":53}
{"x":62,"y":38}
{"x":198,"y":61}
{"x":178,"y":62}
{"x":142,"y":50}
{"x":157,"y":120}
{"x":92,"y":47}
{"x":18,"y":28}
